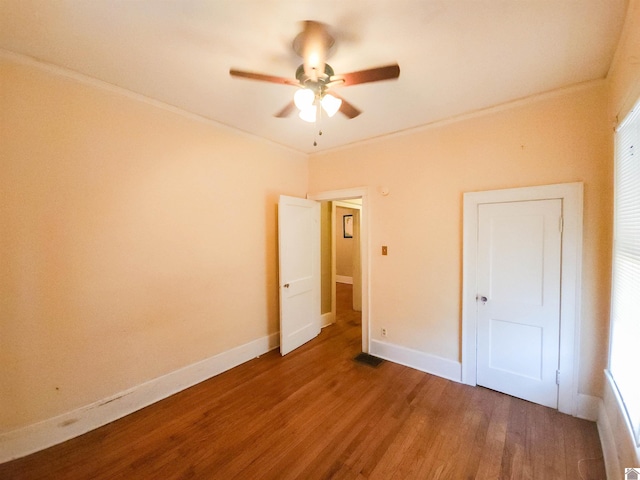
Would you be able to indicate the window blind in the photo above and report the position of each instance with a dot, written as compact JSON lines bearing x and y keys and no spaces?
{"x":624,"y":350}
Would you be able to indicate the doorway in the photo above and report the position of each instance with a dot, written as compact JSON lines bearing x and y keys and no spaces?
{"x":346,"y":259}
{"x":356,"y":199}
{"x":569,"y":197}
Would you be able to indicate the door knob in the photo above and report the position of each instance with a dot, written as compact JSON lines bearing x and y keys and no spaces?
{"x":286,"y":285}
{"x":483,"y":299}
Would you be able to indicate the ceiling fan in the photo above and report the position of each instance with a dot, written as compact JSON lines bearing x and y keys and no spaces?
{"x":315,"y":78}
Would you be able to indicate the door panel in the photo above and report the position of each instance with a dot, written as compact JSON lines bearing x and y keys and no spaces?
{"x":299,"y":254}
{"x":519,"y":248}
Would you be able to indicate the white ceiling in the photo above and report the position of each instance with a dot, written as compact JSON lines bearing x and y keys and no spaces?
{"x":455,"y":56}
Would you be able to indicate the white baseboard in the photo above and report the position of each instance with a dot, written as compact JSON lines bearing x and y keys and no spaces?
{"x":327,"y":319}
{"x":616,"y":436}
{"x":344,"y":279}
{"x":588,"y":407}
{"x":608,"y":444}
{"x":38,"y":436}
{"x":424,"y":362}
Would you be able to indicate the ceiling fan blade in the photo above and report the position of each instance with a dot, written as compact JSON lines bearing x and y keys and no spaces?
{"x":346,"y":108}
{"x":262,"y":77}
{"x":287,"y":110}
{"x":387,"y":72}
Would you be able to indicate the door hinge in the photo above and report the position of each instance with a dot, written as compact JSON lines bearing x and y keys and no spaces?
{"x":561,"y":224}
{"x":557,"y":377}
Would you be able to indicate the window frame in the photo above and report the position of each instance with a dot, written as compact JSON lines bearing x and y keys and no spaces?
{"x":627,"y":137}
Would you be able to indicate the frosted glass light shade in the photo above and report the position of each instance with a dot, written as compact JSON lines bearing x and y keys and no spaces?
{"x":331,"y":104}
{"x":303,"y":98}
{"x":309,"y":114}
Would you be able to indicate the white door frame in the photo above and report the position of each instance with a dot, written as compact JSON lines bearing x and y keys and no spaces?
{"x":571,"y":195}
{"x":359,"y":192}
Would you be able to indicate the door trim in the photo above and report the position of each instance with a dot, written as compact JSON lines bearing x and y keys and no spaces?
{"x":363,"y":193}
{"x":571,"y":195}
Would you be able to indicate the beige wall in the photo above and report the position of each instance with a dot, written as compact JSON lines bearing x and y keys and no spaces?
{"x":134,"y":241}
{"x":416,"y":289}
{"x":624,"y":75}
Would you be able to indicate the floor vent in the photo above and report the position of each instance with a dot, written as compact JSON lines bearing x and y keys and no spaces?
{"x":368,"y":359}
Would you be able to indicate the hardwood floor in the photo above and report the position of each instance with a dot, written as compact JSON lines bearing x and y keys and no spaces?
{"x":317,"y":414}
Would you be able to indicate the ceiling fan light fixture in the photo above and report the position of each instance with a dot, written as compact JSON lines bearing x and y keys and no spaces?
{"x":314,"y":77}
{"x":309,"y":113}
{"x":303,"y":98}
{"x":331,"y":104}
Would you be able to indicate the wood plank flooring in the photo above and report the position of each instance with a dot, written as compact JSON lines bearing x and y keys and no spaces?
{"x":317,"y":414}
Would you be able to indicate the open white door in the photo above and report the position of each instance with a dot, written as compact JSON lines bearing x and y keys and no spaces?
{"x":299,"y":251}
{"x":519,"y":260}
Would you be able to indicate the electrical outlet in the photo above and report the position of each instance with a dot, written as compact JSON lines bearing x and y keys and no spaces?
{"x":383,"y":331}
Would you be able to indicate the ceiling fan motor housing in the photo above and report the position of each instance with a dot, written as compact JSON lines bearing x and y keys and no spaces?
{"x":319,"y":85}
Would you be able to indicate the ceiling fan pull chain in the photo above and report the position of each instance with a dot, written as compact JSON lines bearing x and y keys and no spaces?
{"x":318,"y":126}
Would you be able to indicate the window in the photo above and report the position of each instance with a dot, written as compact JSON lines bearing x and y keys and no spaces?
{"x":624,"y":360}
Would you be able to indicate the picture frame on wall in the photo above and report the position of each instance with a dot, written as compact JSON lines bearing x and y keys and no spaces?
{"x":347,"y":226}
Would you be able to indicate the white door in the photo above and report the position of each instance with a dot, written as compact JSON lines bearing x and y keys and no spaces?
{"x":519,"y":258}
{"x":299,"y":252}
